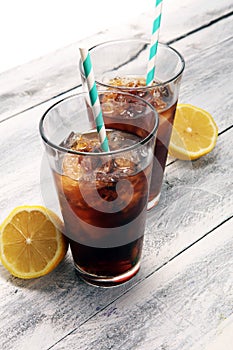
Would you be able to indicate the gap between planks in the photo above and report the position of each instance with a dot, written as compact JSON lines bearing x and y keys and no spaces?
{"x":141,"y":281}
{"x":204,"y":26}
{"x":191,"y":259}
{"x":72,"y":89}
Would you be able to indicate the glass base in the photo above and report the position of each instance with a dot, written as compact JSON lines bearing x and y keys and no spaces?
{"x":151,"y":204}
{"x":107,"y":281}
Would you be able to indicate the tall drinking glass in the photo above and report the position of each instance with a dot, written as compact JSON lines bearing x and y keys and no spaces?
{"x":122,"y":64}
{"x":103,"y":196}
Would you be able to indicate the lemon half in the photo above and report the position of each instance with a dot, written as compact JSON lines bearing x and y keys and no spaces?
{"x":31,"y":242}
{"x":194,"y":133}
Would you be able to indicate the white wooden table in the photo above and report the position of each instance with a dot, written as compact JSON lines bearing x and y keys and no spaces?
{"x":182,"y":298}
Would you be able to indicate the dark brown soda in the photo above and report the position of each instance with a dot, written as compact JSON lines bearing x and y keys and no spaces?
{"x":104,"y":243}
{"x":107,"y":262}
{"x":166,"y":120}
{"x":160,"y":98}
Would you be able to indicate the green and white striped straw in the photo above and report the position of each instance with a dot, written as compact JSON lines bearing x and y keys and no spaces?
{"x":154,"y":43}
{"x":95,"y":103}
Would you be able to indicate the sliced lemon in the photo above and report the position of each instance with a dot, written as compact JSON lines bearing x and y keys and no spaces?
{"x":31,"y":242}
{"x":194,"y":133}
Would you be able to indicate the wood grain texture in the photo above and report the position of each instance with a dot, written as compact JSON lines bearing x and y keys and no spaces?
{"x":178,"y":301}
{"x":220,"y":337}
{"x":46,"y":309}
{"x":213,"y":35}
{"x":207,"y":80}
{"x":56,"y":73}
{"x":37,"y":313}
{"x":172,"y":309}
{"x":20,"y":159}
{"x":196,"y":198}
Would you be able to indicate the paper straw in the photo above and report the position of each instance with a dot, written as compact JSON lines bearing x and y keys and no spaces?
{"x":154,"y":43}
{"x":92,"y":90}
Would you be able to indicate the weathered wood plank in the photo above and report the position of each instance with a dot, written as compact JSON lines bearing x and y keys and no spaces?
{"x":176,"y":308}
{"x":37,"y":313}
{"x":56,"y":73}
{"x":196,"y":198}
{"x":193,"y":48}
{"x":219,"y":338}
{"x":208,"y":77}
{"x":209,"y":92}
{"x":182,"y":17}
{"x":213,"y":35}
{"x":21,"y":154}
{"x":48,"y":308}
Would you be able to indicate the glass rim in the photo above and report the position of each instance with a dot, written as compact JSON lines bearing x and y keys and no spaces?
{"x":94,"y":154}
{"x":140,"y":88}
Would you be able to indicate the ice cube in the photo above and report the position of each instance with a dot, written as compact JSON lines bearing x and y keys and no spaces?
{"x":87,"y":143}
{"x":71,"y":166}
{"x":108,"y":108}
{"x":70,"y":140}
{"x":125,"y":166}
